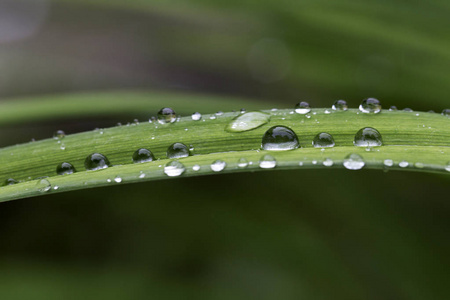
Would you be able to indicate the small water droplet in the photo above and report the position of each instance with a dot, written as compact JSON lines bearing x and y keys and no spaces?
{"x":118,"y":179}
{"x":108,"y":180}
{"x":56,"y":187}
{"x":62,"y":146}
{"x":447,"y":167}
{"x":300,"y":163}
{"x":142,"y":175}
{"x":43,"y":185}
{"x":166,"y":115}
{"x":218,"y":165}
{"x":59,"y":135}
{"x":354,"y":162}
{"x":328,"y":162}
{"x":10,"y":181}
{"x":302,"y":108}
{"x":340,"y":105}
{"x":142,"y":155}
{"x":279,"y":138}
{"x":242,"y":162}
{"x":247,"y":121}
{"x":368,"y":137}
{"x":370,"y":105}
{"x":243,"y":110}
{"x":196,"y":116}
{"x":212,"y":117}
{"x":219,"y":113}
{"x":323,"y":140}
{"x":388,"y":162}
{"x":407,"y":109}
{"x":419,"y":165}
{"x":403,"y":164}
{"x":327,"y":112}
{"x":195,"y":167}
{"x":65,"y":168}
{"x":177,"y":150}
{"x":174,"y":168}
{"x":96,"y":161}
{"x":393,"y":108}
{"x":446,"y":112}
{"x":267,"y":162}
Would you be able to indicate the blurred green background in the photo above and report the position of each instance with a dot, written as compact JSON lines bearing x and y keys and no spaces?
{"x":305,"y":234}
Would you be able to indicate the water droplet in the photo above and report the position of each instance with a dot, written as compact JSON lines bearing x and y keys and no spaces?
{"x":302,"y":108}
{"x":59,"y":135}
{"x":56,"y":187}
{"x":196,"y":116}
{"x":354,"y":162}
{"x":388,"y":162}
{"x":403,"y":164}
{"x":368,"y":137}
{"x":195,"y":167}
{"x":96,"y":161}
{"x":279,"y":138}
{"x":218,"y":165}
{"x":419,"y":165}
{"x":62,"y":146}
{"x":370,"y":105}
{"x":328,"y":162}
{"x":242,"y":162}
{"x":340,"y":105}
{"x":219,"y":113}
{"x":142,"y":155}
{"x":177,"y":150}
{"x":247,"y":121}
{"x":118,"y":179}
{"x":174,"y":168}
{"x":65,"y":168}
{"x":446,"y":112}
{"x":212,"y":117}
{"x":166,"y":115}
{"x":142,"y":175}
{"x":407,"y":109}
{"x":393,"y":108}
{"x":267,"y":162}
{"x":447,"y":167}
{"x":43,"y":185}
{"x":10,"y":181}
{"x":323,"y":140}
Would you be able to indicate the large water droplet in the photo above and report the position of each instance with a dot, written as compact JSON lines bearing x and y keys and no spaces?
{"x":242,"y":162}
{"x":177,"y":150}
{"x":142,"y":155}
{"x":446,"y":112}
{"x":368,"y":137}
{"x":59,"y":135}
{"x":267,"y":162}
{"x":96,"y":161}
{"x":354,"y":162}
{"x":196,"y":116}
{"x":370,"y":105}
{"x":65,"y":168}
{"x":174,"y":168}
{"x":218,"y":165}
{"x":340,"y":105}
{"x":10,"y":181}
{"x":167,"y":115}
{"x":302,"y":108}
{"x":323,"y":140}
{"x":279,"y":138}
{"x":43,"y":185}
{"x":247,"y":121}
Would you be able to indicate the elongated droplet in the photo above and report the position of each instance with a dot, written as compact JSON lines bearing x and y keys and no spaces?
{"x":43,"y":185}
{"x":323,"y":140}
{"x":196,"y":116}
{"x":142,"y":155}
{"x":177,"y":150}
{"x":96,"y":161}
{"x":368,"y":137}
{"x":174,"y":168}
{"x":267,"y":162}
{"x":218,"y":165}
{"x":302,"y":108}
{"x":354,"y":162}
{"x":340,"y":105}
{"x":370,"y":105}
{"x":59,"y":135}
{"x":247,"y":121}
{"x":166,"y":115}
{"x":279,"y":138}
{"x":446,"y":112}
{"x":65,"y":168}
{"x":242,"y":162}
{"x":10,"y":181}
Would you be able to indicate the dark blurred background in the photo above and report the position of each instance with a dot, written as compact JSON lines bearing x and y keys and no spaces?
{"x":306,"y":234}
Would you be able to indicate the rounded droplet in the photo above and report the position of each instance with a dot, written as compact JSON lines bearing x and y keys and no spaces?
{"x":323,"y":140}
{"x":96,"y":161}
{"x":407,"y":109}
{"x":195,"y":167}
{"x":279,"y":138}
{"x":388,"y":162}
{"x":354,"y":162}
{"x":43,"y":185}
{"x":65,"y":168}
{"x":393,"y":108}
{"x":447,"y":167}
{"x":247,"y":121}
{"x":196,"y":116}
{"x":302,"y":108}
{"x":403,"y":164}
{"x":174,"y":168}
{"x":446,"y":112}
{"x":59,"y":135}
{"x":267,"y":162}
{"x":118,"y":179}
{"x":142,"y":155}
{"x":218,"y":165}
{"x":10,"y":181}
{"x":177,"y":150}
{"x":167,"y":115}
{"x":340,"y":105}
{"x":370,"y":105}
{"x":242,"y":162}
{"x":368,"y":137}
{"x":328,"y":162}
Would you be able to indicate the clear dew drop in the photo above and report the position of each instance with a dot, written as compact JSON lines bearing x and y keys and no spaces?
{"x":174,"y":168}
{"x":65,"y":168}
{"x":166,"y":115}
{"x":267,"y":162}
{"x":328,"y":162}
{"x":388,"y":162}
{"x":43,"y":185}
{"x":247,"y":121}
{"x":10,"y":181}
{"x":447,"y":167}
{"x":118,"y":179}
{"x":419,"y":165}
{"x":323,"y":140}
{"x":177,"y":150}
{"x":196,"y":116}
{"x":242,"y":162}
{"x":59,"y":135}
{"x":340,"y":105}
{"x":403,"y":164}
{"x":279,"y":138}
{"x":142,"y":155}
{"x":96,"y":161}
{"x":354,"y":162}
{"x":370,"y":105}
{"x":196,"y":168}
{"x":218,"y":165}
{"x":302,"y":108}
{"x":446,"y":112}
{"x":368,"y":137}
